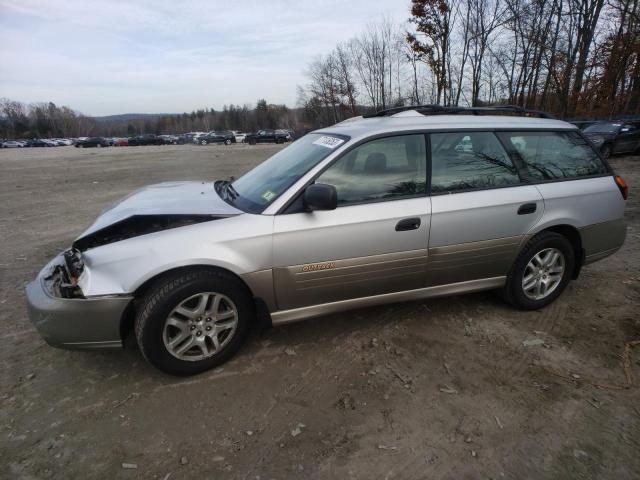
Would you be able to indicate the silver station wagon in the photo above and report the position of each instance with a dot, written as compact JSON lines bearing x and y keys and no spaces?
{"x":405,"y":204}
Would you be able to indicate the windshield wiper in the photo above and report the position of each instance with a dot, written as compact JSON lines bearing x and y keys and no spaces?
{"x":228,"y":187}
{"x":225,"y":190}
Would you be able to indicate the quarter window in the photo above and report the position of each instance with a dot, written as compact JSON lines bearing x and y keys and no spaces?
{"x":386,"y":168}
{"x":469,"y":160}
{"x":555,"y":155}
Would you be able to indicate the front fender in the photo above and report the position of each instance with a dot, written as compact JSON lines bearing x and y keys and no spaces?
{"x":241,"y":244}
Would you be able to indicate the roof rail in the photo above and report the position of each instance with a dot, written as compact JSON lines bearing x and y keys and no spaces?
{"x":440,"y":110}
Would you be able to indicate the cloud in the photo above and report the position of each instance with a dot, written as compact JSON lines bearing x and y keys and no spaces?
{"x":104,"y":57}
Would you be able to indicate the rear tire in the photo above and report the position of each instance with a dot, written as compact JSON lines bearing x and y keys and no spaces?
{"x":534,"y":281}
{"x":162,"y":305}
{"x":227,"y":142}
{"x":605,"y":151}
{"x":203,"y":142}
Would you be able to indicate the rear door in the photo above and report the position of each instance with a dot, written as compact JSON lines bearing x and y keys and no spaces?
{"x":375,"y":242}
{"x":480,"y":208}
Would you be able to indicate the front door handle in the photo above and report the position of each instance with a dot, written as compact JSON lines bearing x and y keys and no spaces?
{"x":527,"y":208}
{"x":408,"y":224}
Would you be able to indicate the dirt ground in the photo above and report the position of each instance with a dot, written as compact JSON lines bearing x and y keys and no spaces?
{"x":441,"y":388}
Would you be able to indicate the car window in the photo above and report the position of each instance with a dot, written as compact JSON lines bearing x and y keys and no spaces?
{"x":386,"y":168}
{"x":469,"y":160}
{"x":555,"y":155}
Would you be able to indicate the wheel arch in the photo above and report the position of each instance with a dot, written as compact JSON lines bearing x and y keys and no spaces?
{"x":572,"y":234}
{"x":127,"y":320}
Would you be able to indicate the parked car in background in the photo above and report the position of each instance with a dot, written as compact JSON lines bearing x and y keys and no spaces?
{"x":120,"y":142}
{"x":265,"y":136}
{"x":240,"y":136}
{"x":146,"y":139}
{"x":12,"y":144}
{"x":37,"y":142}
{"x":286,"y":133}
{"x":90,"y":142}
{"x":169,"y":139}
{"x":614,"y":137}
{"x":217,"y":137}
{"x":191,"y":137}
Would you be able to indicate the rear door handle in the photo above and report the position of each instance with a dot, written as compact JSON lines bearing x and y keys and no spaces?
{"x":408,"y":224}
{"x":527,"y":208}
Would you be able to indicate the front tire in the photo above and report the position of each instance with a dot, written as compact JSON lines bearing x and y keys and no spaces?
{"x":193,"y":320}
{"x":203,"y":142}
{"x":541,"y":272}
{"x":227,"y":142}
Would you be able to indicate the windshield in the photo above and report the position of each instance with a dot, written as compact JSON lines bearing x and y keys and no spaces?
{"x":258,"y":188}
{"x":603,"y":128}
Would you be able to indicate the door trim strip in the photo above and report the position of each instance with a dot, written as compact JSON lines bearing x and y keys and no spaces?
{"x":288,"y":316}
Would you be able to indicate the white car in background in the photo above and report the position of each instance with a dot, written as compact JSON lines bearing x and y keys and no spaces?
{"x":12,"y":144}
{"x":287,"y":133}
{"x":195,"y":136}
{"x":240,"y":136}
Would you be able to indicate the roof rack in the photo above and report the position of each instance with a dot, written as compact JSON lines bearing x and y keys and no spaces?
{"x":441,"y":110}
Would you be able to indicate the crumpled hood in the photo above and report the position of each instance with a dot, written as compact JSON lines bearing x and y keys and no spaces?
{"x":168,"y":199}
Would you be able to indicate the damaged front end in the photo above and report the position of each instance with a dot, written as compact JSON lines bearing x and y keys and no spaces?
{"x":64,"y":316}
{"x":62,"y":279}
{"x":135,"y":226}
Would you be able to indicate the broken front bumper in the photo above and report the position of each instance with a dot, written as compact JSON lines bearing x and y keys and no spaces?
{"x":74,"y":323}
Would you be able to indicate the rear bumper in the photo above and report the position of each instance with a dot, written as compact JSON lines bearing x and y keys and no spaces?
{"x":602,"y":239}
{"x":76,"y":323}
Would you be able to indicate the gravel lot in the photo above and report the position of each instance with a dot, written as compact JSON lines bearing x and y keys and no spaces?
{"x":435,"y":389}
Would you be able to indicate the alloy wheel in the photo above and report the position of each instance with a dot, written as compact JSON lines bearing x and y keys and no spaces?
{"x":543,"y":273}
{"x":200,"y":326}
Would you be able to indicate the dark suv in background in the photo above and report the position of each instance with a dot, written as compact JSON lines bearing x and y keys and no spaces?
{"x":217,"y":137}
{"x":614,"y":137}
{"x":266,"y":136}
{"x":147,"y":139}
{"x":92,"y":142}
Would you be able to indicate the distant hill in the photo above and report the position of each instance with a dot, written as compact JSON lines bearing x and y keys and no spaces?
{"x":127,"y":117}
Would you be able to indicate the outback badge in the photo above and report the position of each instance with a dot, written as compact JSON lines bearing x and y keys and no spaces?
{"x":312,"y":267}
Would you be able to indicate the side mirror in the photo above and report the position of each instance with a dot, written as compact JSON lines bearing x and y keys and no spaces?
{"x":320,"y":196}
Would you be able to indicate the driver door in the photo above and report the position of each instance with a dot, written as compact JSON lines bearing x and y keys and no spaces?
{"x":375,"y":242}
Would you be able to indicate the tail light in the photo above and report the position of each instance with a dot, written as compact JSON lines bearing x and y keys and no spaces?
{"x":622,"y":185}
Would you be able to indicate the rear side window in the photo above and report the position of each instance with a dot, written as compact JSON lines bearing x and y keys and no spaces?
{"x":469,"y":160}
{"x":555,"y":155}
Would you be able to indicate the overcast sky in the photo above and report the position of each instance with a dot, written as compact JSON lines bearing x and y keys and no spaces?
{"x":104,"y":57}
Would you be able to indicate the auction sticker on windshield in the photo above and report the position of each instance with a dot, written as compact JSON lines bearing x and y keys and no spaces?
{"x":269,"y":195}
{"x":329,"y":142}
